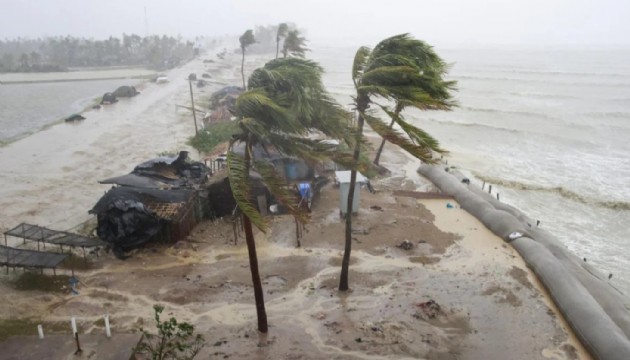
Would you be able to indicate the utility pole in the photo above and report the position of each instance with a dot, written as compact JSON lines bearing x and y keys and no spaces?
{"x":192,"y":101}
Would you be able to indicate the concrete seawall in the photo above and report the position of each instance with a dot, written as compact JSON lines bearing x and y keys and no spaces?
{"x":598,"y":313}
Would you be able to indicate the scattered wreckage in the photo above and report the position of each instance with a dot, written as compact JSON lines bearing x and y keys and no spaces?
{"x":160,"y":199}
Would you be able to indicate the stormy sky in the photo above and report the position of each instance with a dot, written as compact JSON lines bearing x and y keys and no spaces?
{"x":443,"y":22}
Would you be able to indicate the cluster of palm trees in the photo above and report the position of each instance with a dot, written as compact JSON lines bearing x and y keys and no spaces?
{"x":285,"y":101}
{"x":293,"y":45}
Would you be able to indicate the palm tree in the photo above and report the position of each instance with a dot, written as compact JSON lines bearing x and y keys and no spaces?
{"x":283,"y":28}
{"x":285,"y":102}
{"x":294,"y":44}
{"x":391,"y":71}
{"x":434,"y":69}
{"x":246,"y":40}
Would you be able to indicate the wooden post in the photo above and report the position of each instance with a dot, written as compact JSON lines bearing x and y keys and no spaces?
{"x":489,"y":189}
{"x":192,"y":101}
{"x":498,"y":197}
{"x":235,"y":234}
{"x":76,"y":337}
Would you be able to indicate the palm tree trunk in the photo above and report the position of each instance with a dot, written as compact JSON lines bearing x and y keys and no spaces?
{"x":243,"y":69}
{"x":345,"y":263}
{"x":253,"y":258}
{"x":253,"y":265}
{"x":377,"y":158}
{"x":298,"y":233}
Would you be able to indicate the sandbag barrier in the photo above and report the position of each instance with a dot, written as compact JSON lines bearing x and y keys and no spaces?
{"x":598,"y":313}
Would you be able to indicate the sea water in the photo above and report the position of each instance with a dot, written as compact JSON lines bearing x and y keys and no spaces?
{"x":548,"y":128}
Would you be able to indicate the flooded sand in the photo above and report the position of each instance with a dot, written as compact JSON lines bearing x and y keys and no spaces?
{"x":458,"y":293}
{"x":487,"y":304}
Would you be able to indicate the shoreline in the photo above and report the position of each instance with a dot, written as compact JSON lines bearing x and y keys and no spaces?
{"x":62,"y":164}
{"x":92,"y":102}
{"x":590,"y":304}
{"x":76,"y":75}
{"x":21,"y":82}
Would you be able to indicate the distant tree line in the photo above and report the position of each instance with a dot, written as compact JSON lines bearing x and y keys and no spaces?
{"x":61,"y":53}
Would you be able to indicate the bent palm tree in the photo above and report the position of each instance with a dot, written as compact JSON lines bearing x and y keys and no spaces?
{"x":246,"y":40}
{"x":433,"y":69}
{"x":391,"y":71}
{"x":294,"y":44}
{"x":286,"y":100}
{"x":283,"y":28}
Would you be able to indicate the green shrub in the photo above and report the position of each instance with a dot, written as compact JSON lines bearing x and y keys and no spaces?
{"x":174,"y":340}
{"x":214,"y":134}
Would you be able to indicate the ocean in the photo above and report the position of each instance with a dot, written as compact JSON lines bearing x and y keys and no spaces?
{"x":549,"y":129}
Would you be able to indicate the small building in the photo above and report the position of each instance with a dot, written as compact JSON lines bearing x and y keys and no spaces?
{"x":160,"y":200}
{"x":343,"y":179}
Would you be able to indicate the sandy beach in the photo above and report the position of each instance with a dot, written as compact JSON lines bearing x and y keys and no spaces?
{"x":488,"y":304}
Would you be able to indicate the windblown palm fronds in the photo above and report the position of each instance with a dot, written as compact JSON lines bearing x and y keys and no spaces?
{"x":285,"y":103}
{"x":407,"y":72}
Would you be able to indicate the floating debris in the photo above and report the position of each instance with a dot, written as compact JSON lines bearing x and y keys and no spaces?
{"x":430,"y":309}
{"x":405,"y":245}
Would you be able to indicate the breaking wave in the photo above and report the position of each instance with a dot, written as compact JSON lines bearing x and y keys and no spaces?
{"x":473,"y":125}
{"x":544,"y":81}
{"x":609,"y":114}
{"x":560,"y":190}
{"x":507,"y":112}
{"x":542,"y":95}
{"x":564,"y":73}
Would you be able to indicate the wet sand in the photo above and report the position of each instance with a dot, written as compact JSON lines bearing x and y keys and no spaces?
{"x":458,"y":293}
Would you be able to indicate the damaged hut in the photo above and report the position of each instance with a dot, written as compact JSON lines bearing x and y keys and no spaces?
{"x":160,"y":200}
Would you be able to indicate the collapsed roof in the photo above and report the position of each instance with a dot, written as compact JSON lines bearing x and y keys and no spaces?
{"x":164,"y":173}
{"x":156,"y":192}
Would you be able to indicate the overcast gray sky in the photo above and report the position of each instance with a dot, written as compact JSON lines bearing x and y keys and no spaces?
{"x":441,"y":22}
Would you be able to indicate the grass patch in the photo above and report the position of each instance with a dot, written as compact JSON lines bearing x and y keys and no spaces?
{"x":208,"y":138}
{"x":31,"y":281}
{"x":12,"y":327}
